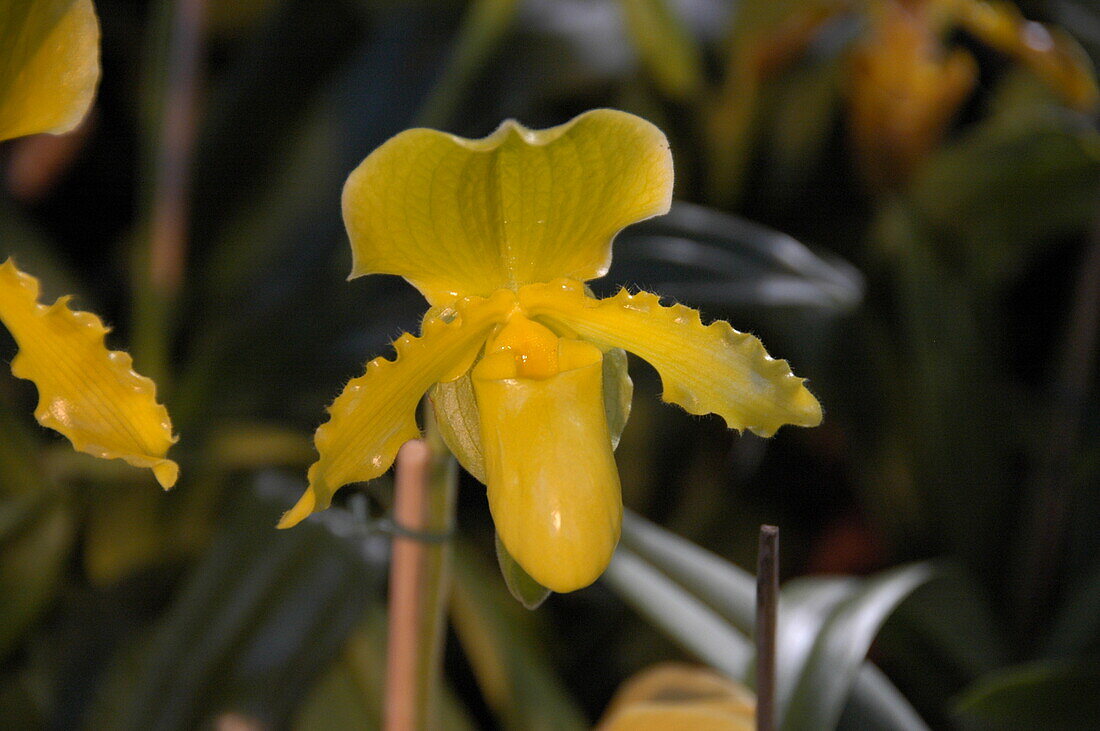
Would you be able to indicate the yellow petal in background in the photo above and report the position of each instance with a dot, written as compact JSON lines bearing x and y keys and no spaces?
{"x":704,"y":369}
{"x":49,"y":65}
{"x":552,"y":481}
{"x":89,"y":394}
{"x":675,"y":696}
{"x":461,"y":217}
{"x":376,"y":413}
{"x":1050,"y":53}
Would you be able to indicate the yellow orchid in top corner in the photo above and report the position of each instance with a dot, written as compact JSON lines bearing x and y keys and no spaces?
{"x":49,"y":69}
{"x":500,"y":234}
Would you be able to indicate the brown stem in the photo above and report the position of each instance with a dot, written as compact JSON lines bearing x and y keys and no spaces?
{"x":767,"y":606}
{"x":168,"y":246}
{"x":161,"y":264}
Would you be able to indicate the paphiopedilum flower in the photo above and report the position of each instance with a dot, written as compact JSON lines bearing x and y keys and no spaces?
{"x":49,"y":68}
{"x":500,"y":234}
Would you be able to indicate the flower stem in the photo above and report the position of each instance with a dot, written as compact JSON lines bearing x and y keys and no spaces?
{"x":419,"y":575}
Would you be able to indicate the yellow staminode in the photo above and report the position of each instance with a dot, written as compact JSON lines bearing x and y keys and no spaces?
{"x":49,"y":65}
{"x":89,"y":394}
{"x":499,"y":234}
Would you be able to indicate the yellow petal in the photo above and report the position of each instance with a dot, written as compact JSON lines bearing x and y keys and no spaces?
{"x":89,"y":394}
{"x":376,"y":413}
{"x":460,"y":217}
{"x":1049,"y":52}
{"x":674,"y":696}
{"x":711,"y":369}
{"x":552,"y":481}
{"x":49,"y":65}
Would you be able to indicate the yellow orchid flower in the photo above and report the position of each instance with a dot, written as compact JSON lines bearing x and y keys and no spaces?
{"x":49,"y":68}
{"x":678,"y":696}
{"x":499,"y":235}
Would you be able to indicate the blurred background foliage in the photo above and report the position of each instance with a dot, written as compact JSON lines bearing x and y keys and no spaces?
{"x":933,"y":166}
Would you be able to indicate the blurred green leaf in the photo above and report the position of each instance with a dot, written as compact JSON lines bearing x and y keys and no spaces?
{"x":36,"y":537}
{"x":681,"y":616}
{"x":34,"y":254}
{"x":816,"y":605}
{"x":841,"y":645}
{"x":528,"y":592}
{"x":1027,"y":175}
{"x":485,"y":24}
{"x":713,"y":259}
{"x":806,"y":605}
{"x":261,"y":102}
{"x":667,"y":50}
{"x":504,"y":645}
{"x":730,"y":590}
{"x":260,"y":616}
{"x":804,"y":109}
{"x":1076,"y":627}
{"x":1033,"y":696}
{"x":36,"y":530}
{"x":349,"y":696}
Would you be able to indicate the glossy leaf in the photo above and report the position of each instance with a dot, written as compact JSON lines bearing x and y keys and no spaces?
{"x":732,"y":592}
{"x":681,"y":616}
{"x":714,"y":260}
{"x":840,"y":647}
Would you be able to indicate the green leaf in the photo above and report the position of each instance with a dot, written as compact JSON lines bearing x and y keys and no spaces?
{"x":349,"y":695}
{"x":1076,"y":627}
{"x":1038,"y":695}
{"x":36,"y":537}
{"x":486,"y":24}
{"x":259,"y":617}
{"x":668,"y":52}
{"x":528,"y":592}
{"x":714,"y":260}
{"x":841,"y":645}
{"x":731,"y":591}
{"x":687,"y":620}
{"x":806,"y":605}
{"x":1023,"y":178}
{"x":506,"y":647}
